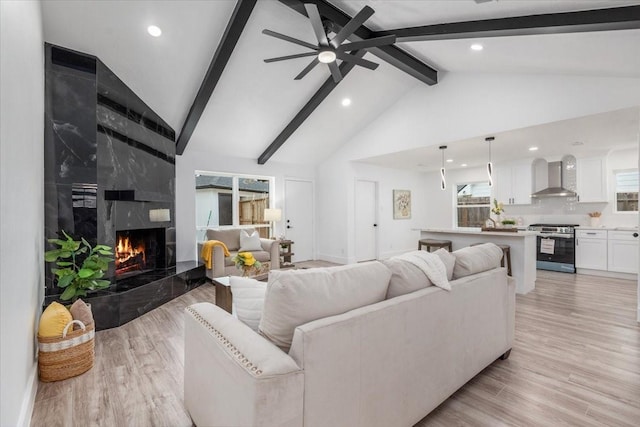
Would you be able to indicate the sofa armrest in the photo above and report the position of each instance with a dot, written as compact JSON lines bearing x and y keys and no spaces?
{"x":233,"y":376}
{"x":273,"y":247}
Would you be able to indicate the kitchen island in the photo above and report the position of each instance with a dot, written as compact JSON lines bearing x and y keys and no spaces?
{"x":522,"y":243}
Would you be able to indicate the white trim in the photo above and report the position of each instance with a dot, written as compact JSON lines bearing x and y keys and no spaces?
{"x":29,"y":399}
{"x":604,"y":273}
{"x":331,"y":258}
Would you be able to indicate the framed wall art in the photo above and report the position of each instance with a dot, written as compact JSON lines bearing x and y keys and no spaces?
{"x":401,"y":204}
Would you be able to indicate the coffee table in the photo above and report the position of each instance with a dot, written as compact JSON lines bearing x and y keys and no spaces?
{"x":224,"y":298}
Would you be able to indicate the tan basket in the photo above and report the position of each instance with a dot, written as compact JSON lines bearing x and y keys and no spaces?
{"x":68,"y":356}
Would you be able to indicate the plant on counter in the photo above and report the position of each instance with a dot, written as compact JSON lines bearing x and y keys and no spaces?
{"x":74,"y":274}
{"x":508,"y":222}
{"x":595,"y":214}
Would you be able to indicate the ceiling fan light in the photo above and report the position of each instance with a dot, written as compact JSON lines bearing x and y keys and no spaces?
{"x":326,"y":56}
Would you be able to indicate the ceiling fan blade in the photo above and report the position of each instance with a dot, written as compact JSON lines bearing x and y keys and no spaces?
{"x":335,"y":71}
{"x":362,"y":62}
{"x":284,"y":58}
{"x":316,"y":22}
{"x":363,"y":44}
{"x":352,"y":25}
{"x":307,"y":69}
{"x":289,"y":39}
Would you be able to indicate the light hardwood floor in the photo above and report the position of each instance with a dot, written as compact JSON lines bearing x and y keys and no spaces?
{"x":575,"y":361}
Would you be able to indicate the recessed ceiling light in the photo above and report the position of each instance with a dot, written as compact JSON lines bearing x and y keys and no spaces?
{"x":346,"y":102}
{"x":449,"y":160}
{"x":464,"y":165}
{"x":533,"y":148}
{"x":477,"y":47}
{"x":154,"y":31}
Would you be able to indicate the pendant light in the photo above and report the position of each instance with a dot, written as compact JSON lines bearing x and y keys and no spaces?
{"x":443,"y":183}
{"x":489,"y":139}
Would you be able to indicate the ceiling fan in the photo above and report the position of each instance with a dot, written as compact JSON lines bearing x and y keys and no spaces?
{"x":328,"y":51}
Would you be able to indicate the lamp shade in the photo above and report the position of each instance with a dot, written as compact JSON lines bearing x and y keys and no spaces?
{"x":159,"y":215}
{"x":272,"y":214}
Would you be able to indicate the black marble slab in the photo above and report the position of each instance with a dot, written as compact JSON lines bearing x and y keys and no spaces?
{"x":132,"y":297}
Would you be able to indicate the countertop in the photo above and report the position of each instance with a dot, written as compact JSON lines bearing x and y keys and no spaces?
{"x":586,"y":227}
{"x":519,"y":234}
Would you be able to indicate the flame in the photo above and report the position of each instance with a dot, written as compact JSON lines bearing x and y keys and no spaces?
{"x":125,"y":251}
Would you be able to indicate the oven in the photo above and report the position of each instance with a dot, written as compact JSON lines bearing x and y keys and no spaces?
{"x":555,"y":247}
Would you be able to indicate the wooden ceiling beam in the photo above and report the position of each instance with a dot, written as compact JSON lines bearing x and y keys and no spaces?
{"x":611,"y":19}
{"x":230,"y":38}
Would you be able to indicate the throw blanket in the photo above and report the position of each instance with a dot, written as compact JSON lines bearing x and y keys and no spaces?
{"x":207,"y":252}
{"x":430,"y":264}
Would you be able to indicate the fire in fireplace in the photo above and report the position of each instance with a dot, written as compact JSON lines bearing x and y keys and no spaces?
{"x":139,"y":251}
{"x":128,"y":257}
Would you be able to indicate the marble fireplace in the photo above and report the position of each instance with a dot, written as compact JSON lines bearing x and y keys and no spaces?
{"x":109,"y":165}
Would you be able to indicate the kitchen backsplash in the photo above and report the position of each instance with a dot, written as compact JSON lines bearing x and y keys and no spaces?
{"x":560,"y":210}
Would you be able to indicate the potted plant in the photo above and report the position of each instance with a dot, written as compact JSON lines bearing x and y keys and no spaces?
{"x":497,"y":209}
{"x":508,"y":223}
{"x":246,"y":262}
{"x":79,"y":267}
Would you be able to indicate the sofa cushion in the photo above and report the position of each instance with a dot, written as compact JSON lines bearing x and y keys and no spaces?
{"x":296,"y":297}
{"x":476,"y":259}
{"x":248,"y":299}
{"x":249,"y":242}
{"x":405,"y":277}
{"x":230,"y":237}
{"x":448,"y":259}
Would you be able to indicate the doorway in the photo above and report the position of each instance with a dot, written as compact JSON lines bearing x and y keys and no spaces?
{"x":366,"y":225}
{"x":298,"y":218}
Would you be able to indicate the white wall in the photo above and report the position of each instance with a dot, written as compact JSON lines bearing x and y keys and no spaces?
{"x":193,"y":160}
{"x":22,"y":204}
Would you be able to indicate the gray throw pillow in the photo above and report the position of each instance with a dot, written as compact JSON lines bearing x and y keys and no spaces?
{"x":448,"y":259}
{"x":405,"y":278}
{"x":476,"y":259}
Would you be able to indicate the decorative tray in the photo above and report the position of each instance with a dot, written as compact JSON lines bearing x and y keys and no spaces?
{"x":500,"y":229}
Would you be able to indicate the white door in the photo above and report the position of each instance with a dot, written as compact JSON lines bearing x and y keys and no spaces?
{"x":298,"y":218}
{"x":366,"y":220}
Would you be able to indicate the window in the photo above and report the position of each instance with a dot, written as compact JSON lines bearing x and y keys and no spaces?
{"x":626,"y":192}
{"x":473,"y":204}
{"x":232,"y":200}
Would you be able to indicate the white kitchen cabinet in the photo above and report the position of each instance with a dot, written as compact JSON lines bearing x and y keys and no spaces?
{"x":591,"y":176}
{"x":623,"y":251}
{"x":512,"y":184}
{"x":591,"y":249}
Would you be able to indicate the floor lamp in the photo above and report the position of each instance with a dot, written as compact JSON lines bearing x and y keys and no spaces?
{"x":272,"y":215}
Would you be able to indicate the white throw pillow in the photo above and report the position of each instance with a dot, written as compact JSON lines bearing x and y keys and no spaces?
{"x":248,"y":300}
{"x":476,"y":259}
{"x":405,"y":277}
{"x":249,"y":242}
{"x":296,"y":297}
{"x":448,"y":259}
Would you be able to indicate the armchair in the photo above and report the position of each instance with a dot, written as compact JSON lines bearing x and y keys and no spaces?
{"x":224,"y":266}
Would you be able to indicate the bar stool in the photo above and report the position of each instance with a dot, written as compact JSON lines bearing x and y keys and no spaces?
{"x":506,"y":253}
{"x":433,"y":243}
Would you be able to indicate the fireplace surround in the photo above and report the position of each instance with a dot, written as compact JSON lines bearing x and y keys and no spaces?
{"x":109,"y":165}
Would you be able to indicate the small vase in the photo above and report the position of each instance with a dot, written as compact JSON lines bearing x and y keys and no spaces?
{"x":246,"y":270}
{"x":595,"y":221}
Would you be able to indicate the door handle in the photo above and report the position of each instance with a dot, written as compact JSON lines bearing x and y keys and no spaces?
{"x":288,"y":226}
{"x":635,"y":234}
{"x":375,"y":225}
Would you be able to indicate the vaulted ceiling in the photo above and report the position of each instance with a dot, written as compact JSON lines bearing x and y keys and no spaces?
{"x":254,"y":101}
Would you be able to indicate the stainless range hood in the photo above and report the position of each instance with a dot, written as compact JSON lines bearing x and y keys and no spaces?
{"x":555,"y":187}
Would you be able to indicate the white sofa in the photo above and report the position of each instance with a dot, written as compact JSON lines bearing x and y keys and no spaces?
{"x":385,"y":364}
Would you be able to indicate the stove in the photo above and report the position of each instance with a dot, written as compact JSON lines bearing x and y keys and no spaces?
{"x":555,"y":247}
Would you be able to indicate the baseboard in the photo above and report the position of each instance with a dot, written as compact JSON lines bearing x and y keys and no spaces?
{"x":602,"y":273}
{"x":330,"y":258}
{"x":26,"y":409}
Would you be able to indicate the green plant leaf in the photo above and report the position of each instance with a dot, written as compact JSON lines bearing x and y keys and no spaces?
{"x":81,"y":251}
{"x":62,"y":271}
{"x":64,"y":254}
{"x":52,"y":255}
{"x":102,"y":247}
{"x":101,"y":284}
{"x":68,"y":293}
{"x":64,"y":263}
{"x":104,"y":252}
{"x":65,"y":281}
{"x":85,"y":273}
{"x":56,"y":241}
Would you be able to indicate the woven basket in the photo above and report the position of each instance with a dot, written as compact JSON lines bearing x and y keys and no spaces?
{"x":68,"y":356}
